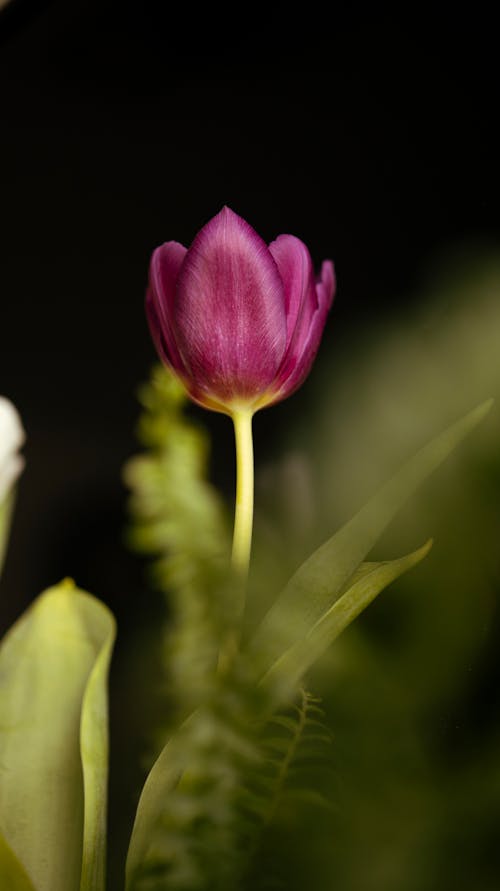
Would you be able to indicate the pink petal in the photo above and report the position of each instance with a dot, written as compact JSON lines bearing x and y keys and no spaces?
{"x":229,"y":310}
{"x":163,"y":273}
{"x":326,"y":285}
{"x":296,"y":367}
{"x":295,"y":267}
{"x":156,"y":329}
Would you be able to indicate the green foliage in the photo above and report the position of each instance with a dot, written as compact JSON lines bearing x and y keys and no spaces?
{"x":5,"y":517}
{"x":225,"y":775}
{"x":12,"y":874}
{"x":412,"y":688}
{"x":190,"y":832}
{"x":53,"y":739}
{"x":221,"y":780}
{"x":368,"y":581}
{"x":321,"y":579}
{"x":291,"y":742}
{"x":179,"y":519}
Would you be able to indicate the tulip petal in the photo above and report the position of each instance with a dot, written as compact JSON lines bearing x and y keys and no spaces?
{"x":325,"y":287}
{"x":163,"y":272}
{"x":295,"y":267}
{"x":305,"y":343}
{"x":229,"y":311}
{"x":156,"y":330}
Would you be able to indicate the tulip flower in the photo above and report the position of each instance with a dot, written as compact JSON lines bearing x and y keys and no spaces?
{"x":239,"y":322}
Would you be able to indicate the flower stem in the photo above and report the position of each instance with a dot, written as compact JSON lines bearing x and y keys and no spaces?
{"x":242,"y":537}
{"x":243,"y":518}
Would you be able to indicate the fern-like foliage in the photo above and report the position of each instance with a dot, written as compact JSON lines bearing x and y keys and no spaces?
{"x":201,"y":839}
{"x":180,"y":521}
{"x":235,"y":775}
{"x":294,"y":743}
{"x":295,"y":749}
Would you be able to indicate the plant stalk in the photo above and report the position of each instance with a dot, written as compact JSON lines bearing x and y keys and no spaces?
{"x":242,"y":536}
{"x":243,"y":518}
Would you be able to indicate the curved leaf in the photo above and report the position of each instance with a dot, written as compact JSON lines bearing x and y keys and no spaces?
{"x":287,"y":671}
{"x":12,"y":874}
{"x":161,"y":781}
{"x":53,"y":738}
{"x":324,"y":575}
{"x":187,"y":830}
{"x":94,"y":748}
{"x":5,"y":517}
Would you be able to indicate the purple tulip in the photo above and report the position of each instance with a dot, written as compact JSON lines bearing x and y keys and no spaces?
{"x":237,"y":321}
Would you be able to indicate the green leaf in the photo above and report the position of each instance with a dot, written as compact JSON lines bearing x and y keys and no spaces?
{"x":94,"y":750}
{"x":12,"y":874}
{"x":189,"y":822}
{"x":53,"y":739}
{"x":161,"y":781}
{"x":5,"y":516}
{"x":287,"y":671}
{"x":325,"y":574}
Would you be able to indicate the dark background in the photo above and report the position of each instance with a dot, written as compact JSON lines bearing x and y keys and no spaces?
{"x":366,"y":130}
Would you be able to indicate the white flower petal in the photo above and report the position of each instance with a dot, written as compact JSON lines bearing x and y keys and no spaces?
{"x":12,"y":437}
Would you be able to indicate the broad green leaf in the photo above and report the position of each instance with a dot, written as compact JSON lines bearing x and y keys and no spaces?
{"x":94,"y":750}
{"x":53,"y":739}
{"x":321,"y":579}
{"x":5,"y":515}
{"x":12,"y":874}
{"x":287,"y":671}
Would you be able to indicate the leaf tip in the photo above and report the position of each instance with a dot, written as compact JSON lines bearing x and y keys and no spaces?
{"x":424,"y":550}
{"x":421,"y":552}
{"x":483,"y":409}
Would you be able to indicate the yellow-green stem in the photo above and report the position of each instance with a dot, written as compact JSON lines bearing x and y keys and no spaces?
{"x":242,"y":537}
{"x":243,"y":517}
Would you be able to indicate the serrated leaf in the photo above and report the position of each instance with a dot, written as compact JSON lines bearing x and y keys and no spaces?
{"x":322,"y":578}
{"x":318,"y":725}
{"x":12,"y":874}
{"x":311,"y":797}
{"x":312,"y":757}
{"x":285,"y":722}
{"x":317,"y":737}
{"x":287,"y":671}
{"x":53,"y":739}
{"x":253,"y":804}
{"x":280,"y":744}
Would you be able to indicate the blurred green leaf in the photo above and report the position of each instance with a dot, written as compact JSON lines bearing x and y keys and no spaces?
{"x":5,"y":517}
{"x":53,"y":727}
{"x":371,"y":579}
{"x":180,"y":519}
{"x":160,"y":783}
{"x":94,"y":747}
{"x":319,"y":582}
{"x":188,"y":826}
{"x":12,"y":874}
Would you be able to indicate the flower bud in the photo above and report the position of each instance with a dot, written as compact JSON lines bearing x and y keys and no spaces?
{"x":238,"y":321}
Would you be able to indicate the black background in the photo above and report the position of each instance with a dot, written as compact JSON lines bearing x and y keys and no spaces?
{"x":366,"y":130}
